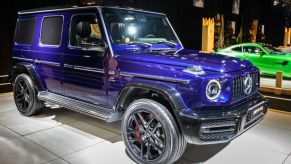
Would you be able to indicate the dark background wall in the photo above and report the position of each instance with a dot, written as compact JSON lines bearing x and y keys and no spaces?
{"x":185,"y":18}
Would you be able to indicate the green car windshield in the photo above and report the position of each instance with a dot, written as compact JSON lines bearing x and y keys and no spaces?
{"x":137,"y":27}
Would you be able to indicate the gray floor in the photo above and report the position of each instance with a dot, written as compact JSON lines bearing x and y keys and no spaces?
{"x":61,"y":136}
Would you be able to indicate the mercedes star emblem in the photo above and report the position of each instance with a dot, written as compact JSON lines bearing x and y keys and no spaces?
{"x":248,"y":84}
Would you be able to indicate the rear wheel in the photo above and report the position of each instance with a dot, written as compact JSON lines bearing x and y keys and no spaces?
{"x":151,"y":134}
{"x":25,"y":96}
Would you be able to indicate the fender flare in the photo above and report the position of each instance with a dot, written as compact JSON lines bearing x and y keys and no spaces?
{"x":30,"y":70}
{"x":170,"y":92}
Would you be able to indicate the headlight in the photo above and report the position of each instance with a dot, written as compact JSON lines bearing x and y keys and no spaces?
{"x":195,"y":70}
{"x":213,"y":89}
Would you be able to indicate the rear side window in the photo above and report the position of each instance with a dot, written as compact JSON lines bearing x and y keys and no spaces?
{"x":25,"y":31}
{"x":51,"y":32}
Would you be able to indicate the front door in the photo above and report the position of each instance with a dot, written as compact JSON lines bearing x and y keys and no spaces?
{"x":84,"y":62}
{"x":254,"y":54}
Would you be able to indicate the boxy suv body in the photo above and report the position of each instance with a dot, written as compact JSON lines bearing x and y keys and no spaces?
{"x":125,"y":64}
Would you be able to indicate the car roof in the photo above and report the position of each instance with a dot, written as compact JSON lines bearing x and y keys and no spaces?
{"x":248,"y":44}
{"x":68,"y":8}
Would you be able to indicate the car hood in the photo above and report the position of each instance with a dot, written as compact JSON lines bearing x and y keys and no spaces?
{"x":184,"y":58}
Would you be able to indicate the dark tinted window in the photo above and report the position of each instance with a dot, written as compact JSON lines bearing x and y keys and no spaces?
{"x":237,"y":49}
{"x":52,"y":30}
{"x":25,"y":31}
{"x":251,"y":49}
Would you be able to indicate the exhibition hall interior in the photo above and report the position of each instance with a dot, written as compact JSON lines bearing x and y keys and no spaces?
{"x":145,"y":81}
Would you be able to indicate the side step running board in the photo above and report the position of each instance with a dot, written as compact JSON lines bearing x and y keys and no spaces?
{"x":79,"y":106}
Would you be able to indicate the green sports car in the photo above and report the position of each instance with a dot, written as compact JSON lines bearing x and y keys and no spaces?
{"x":267,"y":58}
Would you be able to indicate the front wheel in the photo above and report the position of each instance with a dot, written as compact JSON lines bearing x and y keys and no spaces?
{"x":151,"y":134}
{"x":25,"y":96}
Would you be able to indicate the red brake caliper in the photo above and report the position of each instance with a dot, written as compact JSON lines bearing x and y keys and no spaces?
{"x":137,"y":134}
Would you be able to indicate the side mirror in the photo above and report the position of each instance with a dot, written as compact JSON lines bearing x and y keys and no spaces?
{"x":262,"y":54}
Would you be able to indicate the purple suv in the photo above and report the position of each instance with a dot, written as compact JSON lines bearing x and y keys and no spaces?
{"x":127,"y":64}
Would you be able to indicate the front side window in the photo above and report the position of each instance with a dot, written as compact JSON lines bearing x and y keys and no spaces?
{"x":127,"y":27}
{"x":237,"y":49}
{"x":251,"y":49}
{"x":85,"y":31}
{"x":51,"y":32}
{"x":25,"y":31}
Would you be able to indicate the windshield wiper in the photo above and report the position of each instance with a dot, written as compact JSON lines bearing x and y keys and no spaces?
{"x":168,"y":43}
{"x":141,"y":44}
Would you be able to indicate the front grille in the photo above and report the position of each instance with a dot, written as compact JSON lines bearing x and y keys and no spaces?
{"x":238,"y":86}
{"x":217,"y":129}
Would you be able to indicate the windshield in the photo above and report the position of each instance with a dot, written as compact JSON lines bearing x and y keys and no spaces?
{"x":272,"y":50}
{"x":138,"y":28}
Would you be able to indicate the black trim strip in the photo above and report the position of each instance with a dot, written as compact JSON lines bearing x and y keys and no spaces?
{"x":162,"y":78}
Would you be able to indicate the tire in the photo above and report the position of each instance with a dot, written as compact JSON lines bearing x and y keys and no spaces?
{"x":150,"y":133}
{"x":25,"y":96}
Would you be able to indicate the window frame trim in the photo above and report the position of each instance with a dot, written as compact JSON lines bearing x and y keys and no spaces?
{"x":40,"y":32}
{"x":17,"y":31}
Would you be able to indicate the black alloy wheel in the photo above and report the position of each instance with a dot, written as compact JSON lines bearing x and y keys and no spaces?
{"x":150,"y":133}
{"x":25,"y":96}
{"x":146,"y":135}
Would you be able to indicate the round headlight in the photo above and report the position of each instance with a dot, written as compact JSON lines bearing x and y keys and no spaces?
{"x":213,"y":89}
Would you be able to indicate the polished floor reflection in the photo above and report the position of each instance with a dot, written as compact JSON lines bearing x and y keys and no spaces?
{"x":60,"y":136}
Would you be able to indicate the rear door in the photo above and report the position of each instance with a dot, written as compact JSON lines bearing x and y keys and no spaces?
{"x":50,"y":47}
{"x":84,"y":62}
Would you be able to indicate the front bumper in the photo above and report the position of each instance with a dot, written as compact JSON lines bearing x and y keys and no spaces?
{"x":212,"y":127}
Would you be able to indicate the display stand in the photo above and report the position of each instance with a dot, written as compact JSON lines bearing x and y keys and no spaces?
{"x":287,"y":36}
{"x":207,"y":34}
{"x":278,"y":88}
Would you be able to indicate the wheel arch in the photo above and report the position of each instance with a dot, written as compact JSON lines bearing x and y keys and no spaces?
{"x":136,"y":90}
{"x":169,"y":92}
{"x":28,"y":69}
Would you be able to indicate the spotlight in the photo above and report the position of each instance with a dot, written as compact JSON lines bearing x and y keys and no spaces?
{"x":132,"y":30}
{"x":276,"y":2}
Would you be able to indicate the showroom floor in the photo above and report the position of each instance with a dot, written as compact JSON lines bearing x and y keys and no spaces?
{"x":61,"y":136}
